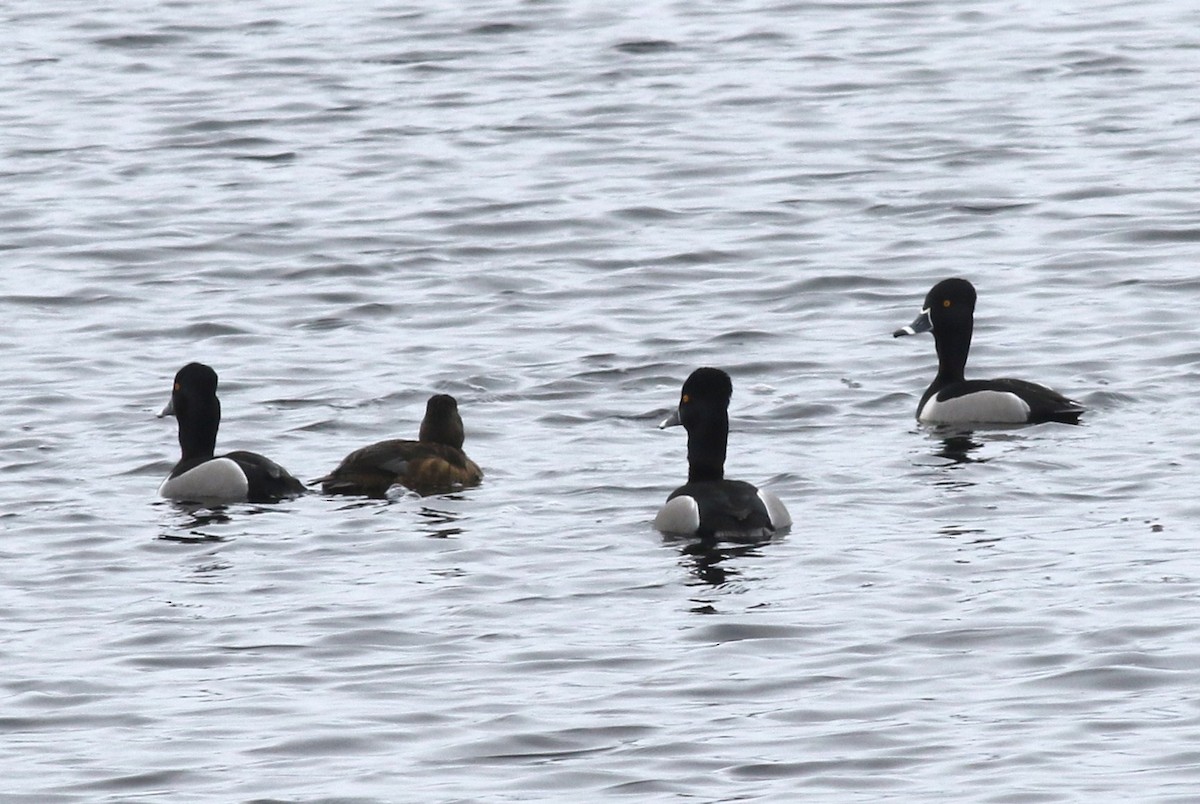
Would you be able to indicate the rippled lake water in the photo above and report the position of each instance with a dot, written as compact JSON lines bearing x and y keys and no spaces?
{"x":555,"y":211}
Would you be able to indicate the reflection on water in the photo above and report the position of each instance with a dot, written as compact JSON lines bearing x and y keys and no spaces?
{"x":209,"y":571}
{"x":439,"y":524}
{"x":970,"y":537}
{"x":193,"y":519}
{"x":707,"y":559}
{"x":959,"y":531}
{"x":191,"y":538}
{"x":957,"y":447}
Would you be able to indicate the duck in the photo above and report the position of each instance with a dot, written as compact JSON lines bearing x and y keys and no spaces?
{"x":709,"y":505}
{"x":949,"y":313}
{"x":435,"y":463}
{"x":202,"y":477}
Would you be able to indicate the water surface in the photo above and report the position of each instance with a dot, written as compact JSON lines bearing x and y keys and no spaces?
{"x":555,"y":211}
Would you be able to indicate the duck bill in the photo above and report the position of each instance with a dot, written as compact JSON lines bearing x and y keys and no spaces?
{"x":922,"y":323}
{"x":670,"y":421}
{"x":169,"y":410}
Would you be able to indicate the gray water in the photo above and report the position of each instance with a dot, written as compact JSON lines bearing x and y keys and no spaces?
{"x":555,"y":211}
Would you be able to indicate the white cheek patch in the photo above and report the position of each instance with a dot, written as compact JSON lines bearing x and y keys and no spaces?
{"x":977,"y":407}
{"x":218,"y":479}
{"x":679,"y":515}
{"x":776,"y":512}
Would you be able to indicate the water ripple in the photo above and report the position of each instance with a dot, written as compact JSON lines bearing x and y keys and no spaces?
{"x":555,"y":212}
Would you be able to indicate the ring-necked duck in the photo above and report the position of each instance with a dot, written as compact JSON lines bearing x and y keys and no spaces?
{"x":949,"y":312}
{"x":709,"y":506}
{"x":433,"y":464}
{"x":202,"y":477}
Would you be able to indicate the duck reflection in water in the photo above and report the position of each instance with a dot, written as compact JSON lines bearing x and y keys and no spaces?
{"x":194,"y":520}
{"x":438,"y":523}
{"x":708,"y":559}
{"x":956,"y":446}
{"x":434,"y":522}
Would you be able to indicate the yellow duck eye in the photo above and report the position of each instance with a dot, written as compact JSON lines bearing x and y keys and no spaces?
{"x":684,"y":399}
{"x":945,"y":302}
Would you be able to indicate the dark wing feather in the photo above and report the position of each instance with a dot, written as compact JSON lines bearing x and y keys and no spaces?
{"x":1045,"y":404}
{"x":268,"y":481}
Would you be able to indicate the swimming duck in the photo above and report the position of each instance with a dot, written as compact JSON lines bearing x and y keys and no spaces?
{"x":708,"y":505}
{"x":949,"y":312}
{"x":433,"y":464}
{"x":200,"y":476}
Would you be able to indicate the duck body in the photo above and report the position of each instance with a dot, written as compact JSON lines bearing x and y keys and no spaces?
{"x":1000,"y":401}
{"x":434,"y":463}
{"x":709,"y":506}
{"x":949,"y":313}
{"x":722,"y":509}
{"x":200,"y":476}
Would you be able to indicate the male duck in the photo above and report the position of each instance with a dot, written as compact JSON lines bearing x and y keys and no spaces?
{"x":950,"y":399}
{"x":433,"y":464}
{"x":708,"y":505}
{"x":202,"y":477}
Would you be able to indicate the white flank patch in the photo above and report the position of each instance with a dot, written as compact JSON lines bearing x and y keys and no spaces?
{"x":776,"y":511}
{"x":218,"y":479}
{"x":680,"y":515}
{"x":977,"y":407}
